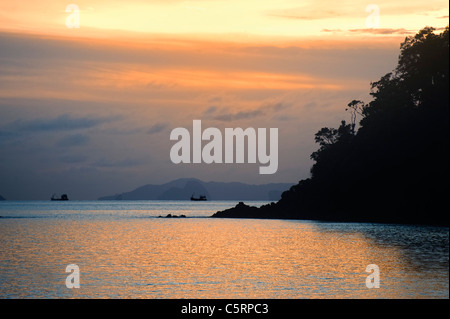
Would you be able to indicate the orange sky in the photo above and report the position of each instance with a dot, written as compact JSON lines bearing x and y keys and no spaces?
{"x":135,"y":69}
{"x":290,"y":18}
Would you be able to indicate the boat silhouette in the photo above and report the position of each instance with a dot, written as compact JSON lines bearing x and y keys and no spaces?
{"x":200,"y":198}
{"x":63,"y":197}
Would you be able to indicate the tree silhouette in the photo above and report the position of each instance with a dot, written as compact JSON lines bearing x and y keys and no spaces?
{"x":355,"y":108}
{"x":394,"y":167}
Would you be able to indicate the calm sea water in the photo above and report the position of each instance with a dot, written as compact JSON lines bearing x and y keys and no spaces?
{"x":123,"y":250}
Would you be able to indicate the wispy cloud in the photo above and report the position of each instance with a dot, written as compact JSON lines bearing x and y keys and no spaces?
{"x":223,"y":114}
{"x":384,"y":31}
{"x":63,"y":122}
{"x":381,"y":31}
{"x":242,"y":115}
{"x":210,"y":110}
{"x":158,"y":127}
{"x":331,"y":30}
{"x":73,"y":159}
{"x":111,"y":163}
{"x":276,"y":106}
{"x":312,"y":16}
{"x":73,"y":140}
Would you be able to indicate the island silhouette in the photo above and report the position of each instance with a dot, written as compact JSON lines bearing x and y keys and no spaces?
{"x":394,"y":167}
{"x":188,"y":188}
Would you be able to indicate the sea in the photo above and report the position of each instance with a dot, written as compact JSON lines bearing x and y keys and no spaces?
{"x":130,"y":250}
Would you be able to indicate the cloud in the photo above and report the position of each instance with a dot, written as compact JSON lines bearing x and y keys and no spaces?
{"x":350,"y":9}
{"x":7,"y":136}
{"x":73,"y":159}
{"x":211,"y":110}
{"x":310,"y":105}
{"x":224,"y":116}
{"x":283,"y":118}
{"x":331,"y":30}
{"x":110,"y":163}
{"x":313,"y":10}
{"x":228,"y":117}
{"x":73,"y":140}
{"x":383,"y":31}
{"x":276,"y":107}
{"x":63,"y":122}
{"x":57,"y":95}
{"x":313,"y":15}
{"x":156,"y":128}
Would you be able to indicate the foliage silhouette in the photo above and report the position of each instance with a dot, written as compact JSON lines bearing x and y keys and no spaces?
{"x":394,"y":167}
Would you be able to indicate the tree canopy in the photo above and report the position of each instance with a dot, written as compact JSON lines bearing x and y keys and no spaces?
{"x":394,"y":167}
{"x":397,"y":160}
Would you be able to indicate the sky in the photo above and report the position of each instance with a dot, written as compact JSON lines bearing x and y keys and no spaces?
{"x":87,"y":105}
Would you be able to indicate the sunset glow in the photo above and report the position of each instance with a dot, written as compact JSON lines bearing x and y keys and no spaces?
{"x":231,"y":157}
{"x":250,"y":17}
{"x":291,"y":64}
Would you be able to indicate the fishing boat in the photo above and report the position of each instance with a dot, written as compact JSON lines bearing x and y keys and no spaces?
{"x":200,"y":198}
{"x":63,"y":197}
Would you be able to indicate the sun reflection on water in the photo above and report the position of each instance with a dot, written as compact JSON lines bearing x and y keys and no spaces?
{"x":206,"y":258}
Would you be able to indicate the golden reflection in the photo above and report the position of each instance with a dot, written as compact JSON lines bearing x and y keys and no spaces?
{"x":204,"y":258}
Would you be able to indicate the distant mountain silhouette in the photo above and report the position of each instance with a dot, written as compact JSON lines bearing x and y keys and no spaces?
{"x":184,"y":188}
{"x":2,"y":198}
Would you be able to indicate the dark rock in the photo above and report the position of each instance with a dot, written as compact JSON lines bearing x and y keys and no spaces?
{"x":240,"y":211}
{"x":173,"y":216}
